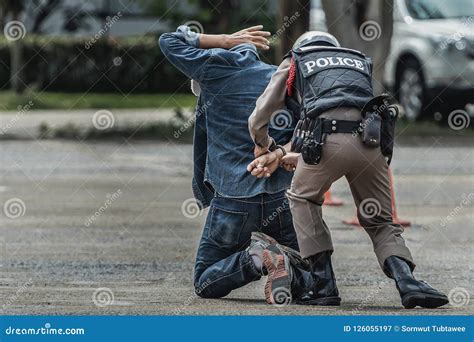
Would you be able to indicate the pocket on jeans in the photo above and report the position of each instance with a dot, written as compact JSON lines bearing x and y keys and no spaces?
{"x":226,"y":227}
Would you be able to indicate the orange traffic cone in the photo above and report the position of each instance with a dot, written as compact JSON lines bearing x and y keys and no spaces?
{"x":329,"y":200}
{"x":353,"y":221}
{"x":404,"y":223}
{"x":396,"y":219}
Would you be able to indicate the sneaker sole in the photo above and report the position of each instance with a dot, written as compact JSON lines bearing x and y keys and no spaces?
{"x":414,"y":299}
{"x":293,"y":254}
{"x":277,"y":287}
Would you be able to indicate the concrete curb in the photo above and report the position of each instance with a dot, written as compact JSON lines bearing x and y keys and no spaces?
{"x":26,"y":125}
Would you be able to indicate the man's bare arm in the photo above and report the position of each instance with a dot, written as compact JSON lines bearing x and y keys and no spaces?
{"x":252,"y":35}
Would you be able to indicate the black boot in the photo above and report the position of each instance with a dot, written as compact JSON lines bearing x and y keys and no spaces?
{"x":322,"y":289}
{"x":413,"y":292}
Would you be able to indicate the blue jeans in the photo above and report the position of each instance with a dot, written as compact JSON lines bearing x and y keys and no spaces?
{"x":222,"y":263}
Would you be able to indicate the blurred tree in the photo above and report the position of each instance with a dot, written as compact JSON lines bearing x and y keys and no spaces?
{"x":293,"y":20}
{"x":364,"y":25}
{"x":285,"y":19}
{"x":13,"y":9}
{"x":215,"y":16}
{"x":75,"y":19}
{"x":43,"y":10}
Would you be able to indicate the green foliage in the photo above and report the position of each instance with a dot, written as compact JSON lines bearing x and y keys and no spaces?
{"x":134,"y":64}
{"x":52,"y":100}
{"x":66,"y":64}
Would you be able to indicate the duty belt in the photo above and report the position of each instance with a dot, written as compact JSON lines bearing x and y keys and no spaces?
{"x":313,"y":131}
{"x":341,"y":126}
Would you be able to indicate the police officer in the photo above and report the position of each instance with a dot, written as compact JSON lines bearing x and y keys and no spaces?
{"x":332,"y":85}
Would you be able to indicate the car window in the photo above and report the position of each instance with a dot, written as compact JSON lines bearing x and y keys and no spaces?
{"x":439,"y":9}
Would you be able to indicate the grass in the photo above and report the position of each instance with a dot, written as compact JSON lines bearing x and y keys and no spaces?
{"x":66,"y":101}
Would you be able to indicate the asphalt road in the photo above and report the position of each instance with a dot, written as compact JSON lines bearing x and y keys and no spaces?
{"x":98,"y":228}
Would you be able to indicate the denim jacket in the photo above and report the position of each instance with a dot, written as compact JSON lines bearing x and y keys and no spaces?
{"x":230,"y":81}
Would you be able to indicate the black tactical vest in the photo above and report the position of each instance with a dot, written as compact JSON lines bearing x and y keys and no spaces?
{"x":329,"y":77}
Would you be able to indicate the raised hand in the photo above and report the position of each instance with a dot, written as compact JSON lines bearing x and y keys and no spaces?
{"x":252,"y":35}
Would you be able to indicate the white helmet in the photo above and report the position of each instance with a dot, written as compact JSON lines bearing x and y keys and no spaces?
{"x":316,"y":38}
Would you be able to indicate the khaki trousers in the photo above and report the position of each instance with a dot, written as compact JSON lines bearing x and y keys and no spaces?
{"x":366,"y":170}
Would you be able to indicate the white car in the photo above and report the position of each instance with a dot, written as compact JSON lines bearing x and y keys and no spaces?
{"x":430,"y":67}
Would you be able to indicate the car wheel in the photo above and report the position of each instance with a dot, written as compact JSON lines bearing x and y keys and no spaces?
{"x":411,"y":89}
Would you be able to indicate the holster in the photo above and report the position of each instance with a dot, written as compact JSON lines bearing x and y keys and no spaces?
{"x":372,"y":127}
{"x":378,"y":123}
{"x":387,"y":140}
{"x":312,"y":147}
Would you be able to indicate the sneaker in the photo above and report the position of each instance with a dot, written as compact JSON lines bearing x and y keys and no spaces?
{"x":293,"y":255}
{"x":278,"y":285}
{"x":263,"y":238}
